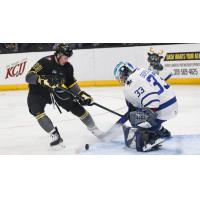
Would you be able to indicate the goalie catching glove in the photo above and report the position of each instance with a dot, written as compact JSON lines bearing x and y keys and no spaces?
{"x":51,"y":81}
{"x":85,"y":99}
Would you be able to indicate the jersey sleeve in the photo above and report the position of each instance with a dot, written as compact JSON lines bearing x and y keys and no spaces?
{"x":35,"y":71}
{"x":70,"y":79}
{"x":40,"y":66}
{"x":165,"y":74}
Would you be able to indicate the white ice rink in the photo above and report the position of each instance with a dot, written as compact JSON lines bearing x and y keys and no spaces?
{"x":20,"y":133}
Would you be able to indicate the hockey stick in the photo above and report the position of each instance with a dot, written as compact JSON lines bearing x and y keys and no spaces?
{"x":111,"y":133}
{"x":124,"y":118}
{"x":107,"y":109}
{"x":77,"y":98}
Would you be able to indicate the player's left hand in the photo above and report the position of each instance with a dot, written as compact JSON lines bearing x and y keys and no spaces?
{"x":85,"y":99}
{"x":54,"y":80}
{"x":51,"y":81}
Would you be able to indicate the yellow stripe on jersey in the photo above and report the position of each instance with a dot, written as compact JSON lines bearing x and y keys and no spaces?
{"x":37,"y":67}
{"x":64,"y":86}
{"x":72,"y":85}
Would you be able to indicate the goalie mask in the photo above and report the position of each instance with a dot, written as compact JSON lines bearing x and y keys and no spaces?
{"x":123,"y":70}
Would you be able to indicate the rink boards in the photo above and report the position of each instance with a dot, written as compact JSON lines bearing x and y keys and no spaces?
{"x":94,"y":67}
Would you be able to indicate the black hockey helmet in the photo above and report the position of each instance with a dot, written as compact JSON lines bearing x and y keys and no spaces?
{"x":64,"y":49}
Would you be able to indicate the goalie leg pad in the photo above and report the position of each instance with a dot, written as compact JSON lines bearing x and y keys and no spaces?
{"x":127,"y":139}
{"x":147,"y":140}
{"x":129,"y":136}
{"x":142,"y":139}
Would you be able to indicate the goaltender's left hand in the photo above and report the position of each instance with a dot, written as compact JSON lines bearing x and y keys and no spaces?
{"x":85,"y":99}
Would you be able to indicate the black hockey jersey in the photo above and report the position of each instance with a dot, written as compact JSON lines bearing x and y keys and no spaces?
{"x":48,"y":66}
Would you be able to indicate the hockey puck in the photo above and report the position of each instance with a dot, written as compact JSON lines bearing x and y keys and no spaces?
{"x":87,"y":146}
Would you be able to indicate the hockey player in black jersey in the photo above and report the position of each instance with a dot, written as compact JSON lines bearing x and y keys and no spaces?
{"x":45,"y":79}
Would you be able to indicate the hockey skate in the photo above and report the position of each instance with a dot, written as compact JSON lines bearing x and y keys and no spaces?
{"x":164,"y":133}
{"x":154,"y":143}
{"x":56,"y":139}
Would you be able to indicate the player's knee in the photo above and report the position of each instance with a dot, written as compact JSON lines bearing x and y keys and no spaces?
{"x":33,"y":112}
{"x":78,"y":111}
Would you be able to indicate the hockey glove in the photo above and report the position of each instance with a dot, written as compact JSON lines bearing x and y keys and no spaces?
{"x":85,"y":99}
{"x":143,"y":118}
{"x":51,"y":81}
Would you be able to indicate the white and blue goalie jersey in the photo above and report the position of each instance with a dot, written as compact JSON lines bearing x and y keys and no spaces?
{"x":146,"y":89}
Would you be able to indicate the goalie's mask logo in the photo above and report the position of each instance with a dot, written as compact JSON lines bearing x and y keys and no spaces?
{"x":123,"y":70}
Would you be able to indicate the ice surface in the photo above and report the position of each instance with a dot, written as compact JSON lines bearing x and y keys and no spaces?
{"x":20,"y":133}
